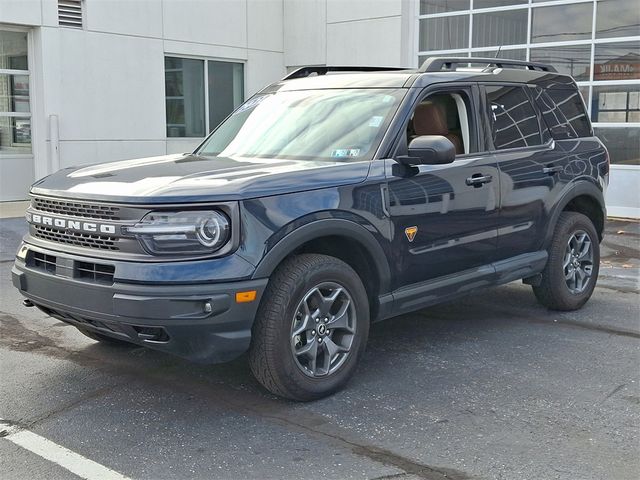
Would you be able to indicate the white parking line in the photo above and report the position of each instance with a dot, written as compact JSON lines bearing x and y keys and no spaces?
{"x":72,"y":461}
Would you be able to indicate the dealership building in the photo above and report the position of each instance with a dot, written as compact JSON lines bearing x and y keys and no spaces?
{"x":89,"y":81}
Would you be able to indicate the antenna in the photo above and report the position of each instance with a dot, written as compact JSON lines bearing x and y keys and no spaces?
{"x":498,"y":52}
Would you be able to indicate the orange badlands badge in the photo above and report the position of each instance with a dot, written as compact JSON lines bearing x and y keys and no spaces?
{"x":410,"y":232}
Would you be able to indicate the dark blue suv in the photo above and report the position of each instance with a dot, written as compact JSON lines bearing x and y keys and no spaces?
{"x":336,"y":197}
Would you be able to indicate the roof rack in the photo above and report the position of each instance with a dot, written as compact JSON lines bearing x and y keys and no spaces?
{"x":437,"y":64}
{"x":323,"y":70}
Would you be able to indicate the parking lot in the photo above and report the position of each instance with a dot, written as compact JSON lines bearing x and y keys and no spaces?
{"x":492,"y":386}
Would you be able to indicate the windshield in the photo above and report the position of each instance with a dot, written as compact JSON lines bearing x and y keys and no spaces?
{"x":336,"y":125}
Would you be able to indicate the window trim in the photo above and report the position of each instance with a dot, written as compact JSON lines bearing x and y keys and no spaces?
{"x":206,"y":61}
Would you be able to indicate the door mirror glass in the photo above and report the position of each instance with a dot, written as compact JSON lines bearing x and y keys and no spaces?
{"x":429,"y":150}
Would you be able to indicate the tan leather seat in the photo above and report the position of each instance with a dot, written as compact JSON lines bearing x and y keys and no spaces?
{"x":430,"y":119}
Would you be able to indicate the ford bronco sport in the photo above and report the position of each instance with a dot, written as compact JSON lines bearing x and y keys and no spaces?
{"x":336,"y":197}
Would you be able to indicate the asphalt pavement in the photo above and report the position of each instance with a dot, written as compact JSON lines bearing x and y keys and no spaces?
{"x":492,"y":386}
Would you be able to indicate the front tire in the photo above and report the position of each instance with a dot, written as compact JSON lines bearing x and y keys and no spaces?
{"x":572,"y":269}
{"x":311,"y":328}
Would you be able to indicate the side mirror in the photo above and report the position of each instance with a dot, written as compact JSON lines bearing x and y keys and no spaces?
{"x":429,"y":150}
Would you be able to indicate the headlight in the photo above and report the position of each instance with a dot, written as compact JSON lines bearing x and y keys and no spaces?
{"x":182,"y":233}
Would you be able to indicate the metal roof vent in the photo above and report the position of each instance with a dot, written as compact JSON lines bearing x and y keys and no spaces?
{"x":70,"y":13}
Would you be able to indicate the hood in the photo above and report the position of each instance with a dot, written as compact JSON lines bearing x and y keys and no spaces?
{"x":192,"y":178}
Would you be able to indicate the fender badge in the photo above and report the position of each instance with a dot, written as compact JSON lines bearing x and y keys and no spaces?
{"x":410,"y":232}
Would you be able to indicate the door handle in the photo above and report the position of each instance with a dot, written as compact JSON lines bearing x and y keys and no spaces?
{"x":477,"y":180}
{"x":551,"y":170}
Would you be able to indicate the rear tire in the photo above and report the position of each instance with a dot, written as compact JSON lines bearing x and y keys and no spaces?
{"x":572,"y":269}
{"x":99,"y":337}
{"x":311,"y":328}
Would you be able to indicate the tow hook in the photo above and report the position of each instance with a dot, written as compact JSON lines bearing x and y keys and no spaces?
{"x":27,"y":303}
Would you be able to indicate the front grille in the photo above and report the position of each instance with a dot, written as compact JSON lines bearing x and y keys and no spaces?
{"x":94,"y":272}
{"x":42,"y":261}
{"x":76,"y":209}
{"x":102,"y":242}
{"x":87,"y":271}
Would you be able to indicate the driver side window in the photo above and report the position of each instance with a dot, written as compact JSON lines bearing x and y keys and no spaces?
{"x":447,"y":114}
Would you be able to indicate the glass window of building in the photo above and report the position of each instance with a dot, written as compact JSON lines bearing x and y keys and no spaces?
{"x":514,"y":54}
{"x":617,"y":61}
{"x":561,"y":23}
{"x":440,"y":6}
{"x":15,"y":111}
{"x":574,"y":60}
{"x":560,"y":33}
{"x":226,"y":89}
{"x":505,"y":27}
{"x":193,"y":111}
{"x":616,"y":104}
{"x":622,"y":143}
{"x":617,"y":18}
{"x":444,"y":33}
{"x":496,"y":3}
{"x":184,"y":90}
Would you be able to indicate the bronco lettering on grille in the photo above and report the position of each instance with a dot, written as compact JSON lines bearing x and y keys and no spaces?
{"x":64,"y":224}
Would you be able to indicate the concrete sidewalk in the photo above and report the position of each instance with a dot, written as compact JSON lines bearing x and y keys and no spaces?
{"x":620,"y":255}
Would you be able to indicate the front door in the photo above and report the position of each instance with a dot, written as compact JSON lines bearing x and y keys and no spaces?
{"x":444,"y":217}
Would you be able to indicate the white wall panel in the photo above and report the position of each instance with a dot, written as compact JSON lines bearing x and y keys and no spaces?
{"x":305,"y":32}
{"x":173,"y":47}
{"x":370,"y":42}
{"x":623,"y":196}
{"x":73,"y":153}
{"x":139,"y":17}
{"x":265,"y":24}
{"x":111,"y":86}
{"x":221,"y":22}
{"x":25,"y":12}
{"x":182,"y":145}
{"x":16,"y":174}
{"x":341,"y":10}
{"x":49,"y":13}
{"x":263,"y":68}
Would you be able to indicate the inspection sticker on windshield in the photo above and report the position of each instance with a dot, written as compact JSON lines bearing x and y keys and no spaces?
{"x":252,"y":102}
{"x":375,"y":121}
{"x":345,"y":152}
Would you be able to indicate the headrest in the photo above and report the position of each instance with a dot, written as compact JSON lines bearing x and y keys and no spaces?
{"x":430,"y":119}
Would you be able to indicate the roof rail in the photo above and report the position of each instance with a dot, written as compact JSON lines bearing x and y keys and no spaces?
{"x":323,"y":70}
{"x":437,"y":64}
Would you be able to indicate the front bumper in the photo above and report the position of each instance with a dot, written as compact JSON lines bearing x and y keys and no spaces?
{"x":200,"y":322}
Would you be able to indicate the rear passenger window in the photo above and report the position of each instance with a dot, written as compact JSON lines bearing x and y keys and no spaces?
{"x":563,"y":112}
{"x":514,"y":122}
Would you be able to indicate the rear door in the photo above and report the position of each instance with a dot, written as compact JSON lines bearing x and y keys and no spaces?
{"x":530,"y":165}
